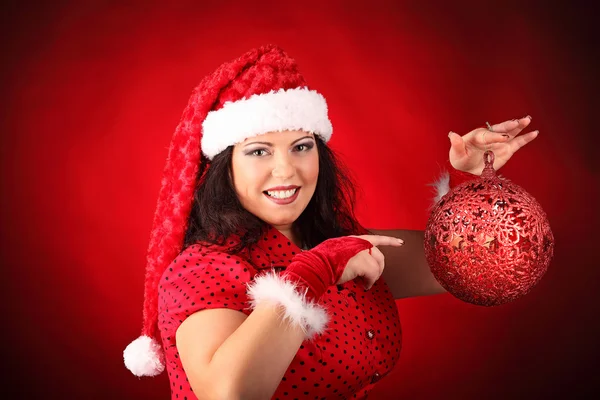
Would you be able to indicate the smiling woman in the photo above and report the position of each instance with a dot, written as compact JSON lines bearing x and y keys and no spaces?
{"x":253,"y":228}
{"x":260,"y":282}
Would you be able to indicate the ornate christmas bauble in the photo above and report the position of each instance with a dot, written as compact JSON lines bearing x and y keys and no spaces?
{"x":488,"y":241}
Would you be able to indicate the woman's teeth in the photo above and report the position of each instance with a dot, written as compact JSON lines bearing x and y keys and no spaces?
{"x":282,"y":194}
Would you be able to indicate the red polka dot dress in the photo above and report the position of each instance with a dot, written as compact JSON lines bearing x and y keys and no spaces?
{"x":360,"y":345}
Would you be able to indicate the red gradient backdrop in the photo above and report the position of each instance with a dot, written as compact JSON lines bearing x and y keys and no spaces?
{"x":92,"y":93}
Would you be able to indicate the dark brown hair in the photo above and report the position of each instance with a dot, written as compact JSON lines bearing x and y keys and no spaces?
{"x":217,"y":212}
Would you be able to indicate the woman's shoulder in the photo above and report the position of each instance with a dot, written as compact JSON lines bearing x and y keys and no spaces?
{"x":203,"y":276}
{"x":212,"y":259}
{"x":204,"y":249}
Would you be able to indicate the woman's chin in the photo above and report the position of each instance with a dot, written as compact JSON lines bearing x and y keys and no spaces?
{"x":281,"y":215}
{"x":280,"y":221}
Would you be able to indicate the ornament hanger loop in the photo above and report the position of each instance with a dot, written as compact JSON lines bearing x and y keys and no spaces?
{"x":489,"y":127}
{"x":488,"y":158}
{"x":488,"y":161}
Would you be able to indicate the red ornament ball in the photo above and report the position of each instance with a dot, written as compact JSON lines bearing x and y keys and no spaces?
{"x":487,"y":241}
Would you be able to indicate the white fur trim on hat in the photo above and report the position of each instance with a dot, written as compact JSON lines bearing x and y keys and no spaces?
{"x":311,"y":317}
{"x":292,"y":109}
{"x":144,"y":357}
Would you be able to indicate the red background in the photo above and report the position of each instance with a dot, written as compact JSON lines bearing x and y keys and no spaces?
{"x":92,"y":93}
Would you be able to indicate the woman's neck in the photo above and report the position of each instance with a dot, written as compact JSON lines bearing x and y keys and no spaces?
{"x":290,"y":232}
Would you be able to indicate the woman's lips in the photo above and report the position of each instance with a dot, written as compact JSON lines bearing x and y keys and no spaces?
{"x":288,"y":200}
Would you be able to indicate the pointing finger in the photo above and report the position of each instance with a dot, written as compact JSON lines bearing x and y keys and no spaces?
{"x":379,"y":240}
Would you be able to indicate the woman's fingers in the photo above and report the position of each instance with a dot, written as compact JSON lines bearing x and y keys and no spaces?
{"x":380,"y":240}
{"x":484,"y":137}
{"x":458,"y":148}
{"x":379,"y":257}
{"x":505,"y":126}
{"x":520,"y":141}
{"x":374,"y":264}
{"x":372,"y":271}
{"x":512,"y":127}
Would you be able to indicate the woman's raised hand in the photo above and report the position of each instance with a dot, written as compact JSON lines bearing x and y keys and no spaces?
{"x":368,"y":264}
{"x":466,"y":152}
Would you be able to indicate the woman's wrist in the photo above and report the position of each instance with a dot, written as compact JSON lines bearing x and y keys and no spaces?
{"x":319,"y":268}
{"x":299,"y":288}
{"x":312,"y":286}
{"x":312,"y":273}
{"x":457,"y":176}
{"x":298,"y":310}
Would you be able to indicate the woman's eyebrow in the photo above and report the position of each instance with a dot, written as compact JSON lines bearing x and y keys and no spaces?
{"x":271,"y":144}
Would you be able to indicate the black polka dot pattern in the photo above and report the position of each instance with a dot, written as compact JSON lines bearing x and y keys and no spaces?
{"x":360,"y":346}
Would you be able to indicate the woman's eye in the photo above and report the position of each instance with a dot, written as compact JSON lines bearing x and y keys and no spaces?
{"x":258,"y":152}
{"x":304,"y":147}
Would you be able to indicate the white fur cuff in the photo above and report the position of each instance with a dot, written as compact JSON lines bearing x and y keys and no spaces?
{"x":276,"y":111}
{"x":311,"y":317}
{"x":441,"y":186}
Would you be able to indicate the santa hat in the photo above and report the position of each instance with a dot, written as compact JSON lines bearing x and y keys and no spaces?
{"x":261,"y":91}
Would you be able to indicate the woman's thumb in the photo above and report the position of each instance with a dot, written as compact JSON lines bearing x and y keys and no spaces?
{"x":457,"y":145}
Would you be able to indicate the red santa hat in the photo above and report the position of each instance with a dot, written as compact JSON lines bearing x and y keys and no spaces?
{"x":259,"y":92}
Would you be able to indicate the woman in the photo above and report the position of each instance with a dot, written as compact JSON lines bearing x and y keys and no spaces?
{"x":260,"y":281}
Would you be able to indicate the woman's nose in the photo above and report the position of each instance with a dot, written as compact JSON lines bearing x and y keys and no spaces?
{"x":283,"y":169}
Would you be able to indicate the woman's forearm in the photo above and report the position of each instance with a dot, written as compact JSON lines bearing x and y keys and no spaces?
{"x":406,"y":270}
{"x":256,"y":355}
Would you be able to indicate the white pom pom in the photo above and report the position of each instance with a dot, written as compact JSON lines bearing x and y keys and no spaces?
{"x":144,"y":357}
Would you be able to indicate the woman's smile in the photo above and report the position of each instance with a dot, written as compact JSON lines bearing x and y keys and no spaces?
{"x":282,"y":197}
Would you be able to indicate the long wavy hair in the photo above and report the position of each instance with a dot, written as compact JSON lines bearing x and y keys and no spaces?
{"x":217,"y":212}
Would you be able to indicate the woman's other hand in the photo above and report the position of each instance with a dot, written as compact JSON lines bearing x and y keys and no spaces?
{"x":466,"y":152}
{"x":368,"y":264}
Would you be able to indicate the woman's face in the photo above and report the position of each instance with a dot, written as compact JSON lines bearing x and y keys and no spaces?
{"x":275,"y":175}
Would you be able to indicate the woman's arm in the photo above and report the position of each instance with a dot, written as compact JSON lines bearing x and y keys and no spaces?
{"x":406,"y":270}
{"x":227,"y":355}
